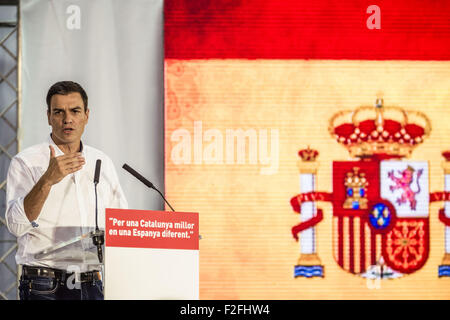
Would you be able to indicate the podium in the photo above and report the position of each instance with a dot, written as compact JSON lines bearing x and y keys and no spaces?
{"x":151,"y":255}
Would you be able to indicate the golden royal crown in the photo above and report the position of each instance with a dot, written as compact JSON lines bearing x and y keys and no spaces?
{"x":380,"y":131}
{"x":308,"y":154}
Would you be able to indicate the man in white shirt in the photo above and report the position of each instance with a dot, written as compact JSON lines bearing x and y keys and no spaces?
{"x":51,"y":200}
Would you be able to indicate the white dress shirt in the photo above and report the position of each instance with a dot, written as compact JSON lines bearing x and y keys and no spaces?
{"x":68,"y":212}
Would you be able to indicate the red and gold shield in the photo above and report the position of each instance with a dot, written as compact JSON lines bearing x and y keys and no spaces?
{"x":370,"y":223}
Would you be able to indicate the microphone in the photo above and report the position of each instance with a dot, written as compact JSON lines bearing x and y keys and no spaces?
{"x":148,"y":184}
{"x":98,"y":165}
{"x":98,"y":236}
{"x":145,"y":181}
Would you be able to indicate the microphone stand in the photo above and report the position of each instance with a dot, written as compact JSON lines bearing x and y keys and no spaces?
{"x":98,"y":236}
{"x":148,"y":184}
{"x":163,"y":198}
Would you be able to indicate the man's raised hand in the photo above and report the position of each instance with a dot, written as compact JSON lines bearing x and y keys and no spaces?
{"x":61,"y":166}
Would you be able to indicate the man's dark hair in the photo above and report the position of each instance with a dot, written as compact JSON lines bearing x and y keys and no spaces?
{"x":64,"y":88}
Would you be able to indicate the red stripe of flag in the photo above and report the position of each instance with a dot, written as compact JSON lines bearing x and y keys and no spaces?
{"x":352,"y":249}
{"x":341,"y":241}
{"x":304,"y":29}
{"x":362,"y":242}
{"x":373,"y":248}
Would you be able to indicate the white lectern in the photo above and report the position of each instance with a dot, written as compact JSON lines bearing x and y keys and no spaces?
{"x":151,"y":255}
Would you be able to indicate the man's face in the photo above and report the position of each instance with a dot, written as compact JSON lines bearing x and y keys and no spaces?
{"x":67,"y":117}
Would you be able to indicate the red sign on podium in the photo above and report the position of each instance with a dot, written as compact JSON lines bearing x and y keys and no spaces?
{"x":154,"y":244}
{"x":160,"y":230}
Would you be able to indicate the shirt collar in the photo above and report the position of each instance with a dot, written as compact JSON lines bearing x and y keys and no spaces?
{"x":58,"y":151}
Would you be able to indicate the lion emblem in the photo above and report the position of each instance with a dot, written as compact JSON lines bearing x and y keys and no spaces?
{"x":404,"y":183}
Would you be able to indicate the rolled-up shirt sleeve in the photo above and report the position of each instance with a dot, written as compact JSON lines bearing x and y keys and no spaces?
{"x":18,"y":184}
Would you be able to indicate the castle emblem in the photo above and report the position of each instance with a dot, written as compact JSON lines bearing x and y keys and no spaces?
{"x":380,"y":200}
{"x":355,"y":190}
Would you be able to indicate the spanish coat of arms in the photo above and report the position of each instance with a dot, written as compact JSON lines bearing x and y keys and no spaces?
{"x":380,"y":200}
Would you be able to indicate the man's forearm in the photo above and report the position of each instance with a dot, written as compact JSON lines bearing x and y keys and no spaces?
{"x":35,"y":199}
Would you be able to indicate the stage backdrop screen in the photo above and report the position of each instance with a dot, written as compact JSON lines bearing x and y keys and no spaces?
{"x":311,"y":139}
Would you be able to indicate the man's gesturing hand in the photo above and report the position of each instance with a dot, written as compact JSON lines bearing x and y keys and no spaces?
{"x":61,"y":166}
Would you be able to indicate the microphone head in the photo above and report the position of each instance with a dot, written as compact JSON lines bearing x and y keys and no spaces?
{"x":98,"y":165}
{"x":138,"y":176}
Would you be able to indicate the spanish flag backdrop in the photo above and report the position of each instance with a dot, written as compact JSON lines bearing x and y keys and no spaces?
{"x":269,"y":105}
